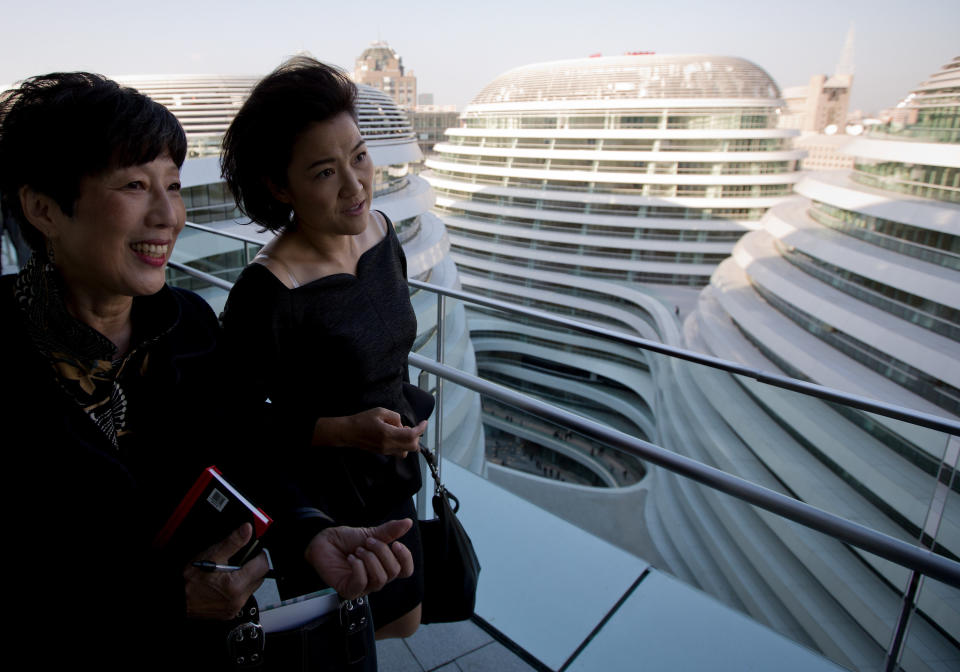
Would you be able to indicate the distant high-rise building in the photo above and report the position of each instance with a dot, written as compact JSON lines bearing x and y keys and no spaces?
{"x":820,"y":111}
{"x":381,"y":67}
{"x":823,"y":104}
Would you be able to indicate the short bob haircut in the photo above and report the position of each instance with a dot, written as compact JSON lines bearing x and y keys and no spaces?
{"x":59,"y":128}
{"x":259,"y":143}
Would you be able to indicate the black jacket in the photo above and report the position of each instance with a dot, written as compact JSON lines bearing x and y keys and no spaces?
{"x":87,"y":587}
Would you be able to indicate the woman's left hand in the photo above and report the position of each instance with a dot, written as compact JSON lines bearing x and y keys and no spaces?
{"x":378,"y":430}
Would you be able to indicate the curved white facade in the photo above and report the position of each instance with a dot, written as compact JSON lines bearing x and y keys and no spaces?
{"x":204,"y":104}
{"x":566,"y":157}
{"x":607,"y":189}
{"x":403,"y":196}
{"x":853,"y":284}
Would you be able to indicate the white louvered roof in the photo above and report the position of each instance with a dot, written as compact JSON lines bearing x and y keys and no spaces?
{"x":631,"y":77}
{"x":206,"y":104}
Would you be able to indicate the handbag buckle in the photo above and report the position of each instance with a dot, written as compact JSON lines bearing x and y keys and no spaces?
{"x":353,"y":620}
{"x":353,"y":617}
{"x":245,"y":645}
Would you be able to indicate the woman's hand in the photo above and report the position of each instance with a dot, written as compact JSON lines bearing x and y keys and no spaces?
{"x":356,"y":561}
{"x":220,"y":595}
{"x":378,"y":430}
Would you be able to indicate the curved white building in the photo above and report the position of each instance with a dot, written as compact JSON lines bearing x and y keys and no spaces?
{"x":204,"y":104}
{"x":403,"y":196}
{"x":607,"y":189}
{"x":855,"y":284}
{"x":555,"y":163}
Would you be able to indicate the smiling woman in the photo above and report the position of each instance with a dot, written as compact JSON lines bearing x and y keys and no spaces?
{"x":115,"y":244}
{"x":94,"y":342}
{"x":92,"y":171}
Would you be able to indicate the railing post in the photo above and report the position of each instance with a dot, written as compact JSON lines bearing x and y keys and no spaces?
{"x":928,"y":538}
{"x":438,"y":412}
{"x":892,"y":661}
{"x":423,"y":382}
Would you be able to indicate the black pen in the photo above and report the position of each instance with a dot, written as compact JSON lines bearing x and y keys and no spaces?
{"x":209,"y":566}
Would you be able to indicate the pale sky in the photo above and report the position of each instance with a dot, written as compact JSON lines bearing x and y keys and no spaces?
{"x":454,"y":48}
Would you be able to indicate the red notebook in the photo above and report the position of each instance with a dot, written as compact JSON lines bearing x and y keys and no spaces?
{"x":209,"y":512}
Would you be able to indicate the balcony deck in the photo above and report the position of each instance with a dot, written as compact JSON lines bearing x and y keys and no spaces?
{"x":448,"y":647}
{"x":571,"y":601}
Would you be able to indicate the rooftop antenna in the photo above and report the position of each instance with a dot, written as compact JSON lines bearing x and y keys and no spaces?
{"x":845,"y":65}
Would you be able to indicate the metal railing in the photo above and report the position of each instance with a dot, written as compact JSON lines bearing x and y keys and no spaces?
{"x":920,"y":561}
{"x":784,"y":382}
{"x":200,"y":275}
{"x":868,"y":539}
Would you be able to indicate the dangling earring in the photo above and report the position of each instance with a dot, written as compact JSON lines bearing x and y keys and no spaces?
{"x":49,"y":251}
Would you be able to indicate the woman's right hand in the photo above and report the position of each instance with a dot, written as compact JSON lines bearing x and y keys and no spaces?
{"x":378,"y":430}
{"x":221,"y":595}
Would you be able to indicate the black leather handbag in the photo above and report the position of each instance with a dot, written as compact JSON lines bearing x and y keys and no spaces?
{"x":450,"y":565}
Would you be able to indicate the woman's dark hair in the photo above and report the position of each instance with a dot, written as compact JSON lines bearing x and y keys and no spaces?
{"x":259,"y":143}
{"x":57,"y":129}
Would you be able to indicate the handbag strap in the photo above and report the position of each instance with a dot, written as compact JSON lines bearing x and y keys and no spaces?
{"x":432,"y":463}
{"x":439,"y":490}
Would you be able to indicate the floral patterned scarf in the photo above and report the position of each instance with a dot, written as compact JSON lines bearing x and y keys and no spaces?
{"x":85,"y":363}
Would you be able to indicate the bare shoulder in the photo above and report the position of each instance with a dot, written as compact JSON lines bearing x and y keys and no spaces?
{"x":272,"y":259}
{"x":380,"y":231}
{"x":384,"y":225}
{"x":375,"y":232}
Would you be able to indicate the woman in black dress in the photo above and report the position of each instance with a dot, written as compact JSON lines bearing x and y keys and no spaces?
{"x":322,"y":321}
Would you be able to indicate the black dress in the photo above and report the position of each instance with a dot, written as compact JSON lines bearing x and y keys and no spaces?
{"x":335,"y":347}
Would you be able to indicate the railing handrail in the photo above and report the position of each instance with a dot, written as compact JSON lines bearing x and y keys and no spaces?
{"x":785,"y":382}
{"x":226,"y":234}
{"x":206,"y":277}
{"x":837,"y":527}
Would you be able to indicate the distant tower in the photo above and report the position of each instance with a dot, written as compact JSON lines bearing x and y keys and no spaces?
{"x":824,"y":102}
{"x":381,"y":67}
{"x":845,"y":64}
